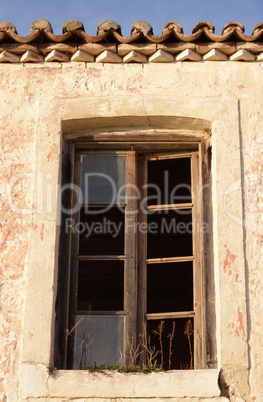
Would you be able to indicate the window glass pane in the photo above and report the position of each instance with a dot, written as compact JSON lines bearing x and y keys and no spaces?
{"x":180,"y":350}
{"x":169,"y":181}
{"x":100,"y":285}
{"x":98,"y":338}
{"x":101,"y":178}
{"x":170,"y":287}
{"x":169,"y":233}
{"x":101,"y":233}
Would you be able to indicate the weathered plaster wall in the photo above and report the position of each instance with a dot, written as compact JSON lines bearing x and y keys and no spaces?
{"x":35,"y":100}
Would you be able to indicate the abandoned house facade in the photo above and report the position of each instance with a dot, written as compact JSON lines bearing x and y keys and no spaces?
{"x":131,"y":213}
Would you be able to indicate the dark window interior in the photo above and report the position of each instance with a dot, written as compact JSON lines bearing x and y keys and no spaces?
{"x":169,"y":233}
{"x":180,"y":358}
{"x":170,"y":284}
{"x":100,"y":285}
{"x":170,"y":287}
{"x":101,"y":233}
{"x":173,"y":178}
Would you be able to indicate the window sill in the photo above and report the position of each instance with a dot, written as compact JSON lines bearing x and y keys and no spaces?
{"x":35,"y":382}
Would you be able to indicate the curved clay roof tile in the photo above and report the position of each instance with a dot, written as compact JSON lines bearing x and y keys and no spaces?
{"x":258,"y":28}
{"x":172,"y":25}
{"x":204,"y":25}
{"x":109,"y":32}
{"x":189,"y":38}
{"x":107,"y":25}
{"x":41,"y":25}
{"x":58,"y":38}
{"x":231,"y":26}
{"x":141,"y":26}
{"x":33,"y":36}
{"x":7,"y":26}
{"x":159,"y":39}
{"x":91,"y":39}
{"x":72,"y":25}
{"x":127,"y":39}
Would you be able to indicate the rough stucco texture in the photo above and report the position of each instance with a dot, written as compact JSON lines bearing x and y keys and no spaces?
{"x":18,"y":125}
{"x":33,"y":100}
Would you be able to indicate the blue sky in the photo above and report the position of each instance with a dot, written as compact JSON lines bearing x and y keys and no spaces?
{"x":125,"y":12}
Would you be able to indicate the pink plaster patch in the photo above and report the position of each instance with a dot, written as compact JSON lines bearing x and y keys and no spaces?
{"x":240,"y":330}
{"x":237,"y":329}
{"x":42,"y":232}
{"x":229,"y":260}
{"x":1,"y":385}
{"x":134,"y":89}
{"x":96,"y":73}
{"x":49,"y":156}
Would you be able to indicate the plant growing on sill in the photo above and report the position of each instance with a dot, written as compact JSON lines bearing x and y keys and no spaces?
{"x":143,"y":368}
{"x":51,"y":370}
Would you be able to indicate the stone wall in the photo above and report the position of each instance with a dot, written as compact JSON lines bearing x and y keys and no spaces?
{"x":39,"y":102}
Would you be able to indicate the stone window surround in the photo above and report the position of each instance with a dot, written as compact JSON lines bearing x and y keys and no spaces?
{"x":68,"y":117}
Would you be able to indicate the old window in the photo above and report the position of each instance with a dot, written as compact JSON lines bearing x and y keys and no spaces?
{"x":134,"y":281}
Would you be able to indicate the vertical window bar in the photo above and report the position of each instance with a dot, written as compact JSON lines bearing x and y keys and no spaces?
{"x":142,"y":247}
{"x":197,"y":266}
{"x":130,"y":288}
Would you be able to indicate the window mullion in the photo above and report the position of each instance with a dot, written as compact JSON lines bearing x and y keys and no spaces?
{"x":73,"y":265}
{"x":209,"y":314}
{"x":142,"y":247}
{"x":130,"y":277}
{"x":197,"y":266}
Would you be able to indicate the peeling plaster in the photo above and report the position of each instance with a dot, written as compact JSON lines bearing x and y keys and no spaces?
{"x":34,"y":99}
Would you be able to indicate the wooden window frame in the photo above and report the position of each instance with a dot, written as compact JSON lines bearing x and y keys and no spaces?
{"x":196,"y":314}
{"x":205,"y":353}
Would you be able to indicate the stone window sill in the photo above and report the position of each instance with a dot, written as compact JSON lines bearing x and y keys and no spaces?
{"x":35,"y":382}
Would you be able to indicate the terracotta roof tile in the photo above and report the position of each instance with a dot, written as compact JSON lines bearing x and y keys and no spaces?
{"x":143,"y":46}
{"x":41,"y":25}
